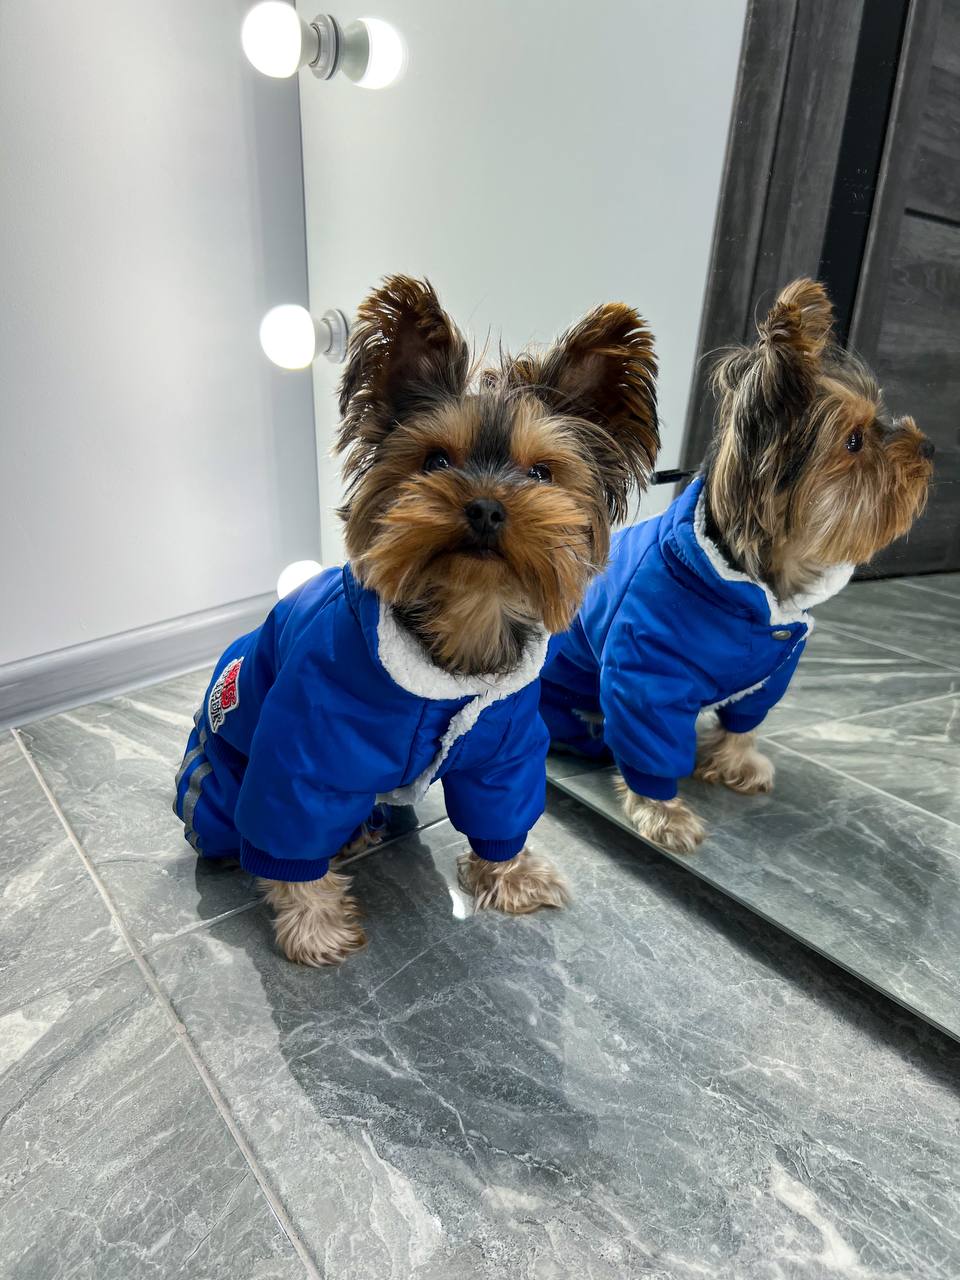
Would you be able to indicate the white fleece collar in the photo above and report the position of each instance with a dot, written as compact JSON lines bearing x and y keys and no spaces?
{"x":408,"y":665}
{"x":782,"y":613}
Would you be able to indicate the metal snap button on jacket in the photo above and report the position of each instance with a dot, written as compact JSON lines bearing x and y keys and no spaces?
{"x":781,"y":635}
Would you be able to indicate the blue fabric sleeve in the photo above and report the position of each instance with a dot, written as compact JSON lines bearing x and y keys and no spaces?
{"x":291,"y":870}
{"x":647,"y":784}
{"x":650,"y":699}
{"x":743,"y":715}
{"x":495,"y":804}
{"x":498,"y":850}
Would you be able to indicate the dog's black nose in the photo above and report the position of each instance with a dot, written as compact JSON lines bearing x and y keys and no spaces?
{"x":926,"y":448}
{"x":486,"y":517}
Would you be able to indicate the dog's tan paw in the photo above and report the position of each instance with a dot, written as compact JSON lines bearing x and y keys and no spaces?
{"x":671,"y":824}
{"x":316,"y":922}
{"x":524,"y":884}
{"x":364,"y":839}
{"x":732,"y":760}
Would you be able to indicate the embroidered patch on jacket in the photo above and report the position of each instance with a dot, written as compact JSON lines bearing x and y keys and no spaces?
{"x":225,"y":694}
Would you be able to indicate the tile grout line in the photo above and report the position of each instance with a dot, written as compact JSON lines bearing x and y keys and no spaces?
{"x":845,"y":630}
{"x":922,"y":586}
{"x":877,"y":711}
{"x":850,"y":777}
{"x":199,"y":926}
{"x":180,"y":1030}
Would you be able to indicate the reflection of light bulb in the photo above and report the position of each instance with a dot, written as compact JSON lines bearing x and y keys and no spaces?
{"x":291,"y":338}
{"x":295,"y":575}
{"x":370,"y":52}
{"x":274,"y":39}
{"x":387,"y":56}
{"x":288,"y":336}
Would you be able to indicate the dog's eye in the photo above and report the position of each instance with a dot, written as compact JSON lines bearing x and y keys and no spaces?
{"x":855,"y":441}
{"x":540,"y":471}
{"x":436,"y":461}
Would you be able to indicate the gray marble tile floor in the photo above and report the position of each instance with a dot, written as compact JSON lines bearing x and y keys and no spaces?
{"x":657,"y":1082}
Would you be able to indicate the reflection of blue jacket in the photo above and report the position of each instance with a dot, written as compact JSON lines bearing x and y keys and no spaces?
{"x":330,"y":705}
{"x":670,"y":630}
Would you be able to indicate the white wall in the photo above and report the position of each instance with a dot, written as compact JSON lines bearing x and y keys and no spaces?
{"x":540,"y":156}
{"x":151,"y":462}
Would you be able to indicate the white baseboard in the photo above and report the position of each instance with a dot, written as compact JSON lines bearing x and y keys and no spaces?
{"x":51,"y":682}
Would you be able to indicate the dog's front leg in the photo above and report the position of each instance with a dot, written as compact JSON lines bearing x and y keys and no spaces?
{"x":316,"y":921}
{"x":521,"y":885}
{"x":668,"y":823}
{"x":733,"y":759}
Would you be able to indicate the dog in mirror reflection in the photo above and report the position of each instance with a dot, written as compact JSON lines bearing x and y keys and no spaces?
{"x":704,"y":608}
{"x":477,"y":510}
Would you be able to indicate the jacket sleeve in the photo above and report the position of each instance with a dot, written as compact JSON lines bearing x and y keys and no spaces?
{"x":650,"y":697}
{"x":744,"y":714}
{"x":495,"y":804}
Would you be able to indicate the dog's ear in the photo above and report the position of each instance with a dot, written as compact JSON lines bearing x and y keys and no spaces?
{"x":405,"y":353}
{"x":764,"y":433}
{"x":603,"y":371}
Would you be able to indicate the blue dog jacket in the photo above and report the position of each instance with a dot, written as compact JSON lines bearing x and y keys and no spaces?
{"x":671,"y":629}
{"x":330,"y":706}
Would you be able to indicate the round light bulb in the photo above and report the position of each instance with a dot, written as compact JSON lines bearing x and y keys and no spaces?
{"x":387,"y":57}
{"x":288,"y":336}
{"x":295,"y":575}
{"x":272,"y":38}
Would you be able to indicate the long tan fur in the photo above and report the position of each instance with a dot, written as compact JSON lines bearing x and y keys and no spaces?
{"x":524,"y":884}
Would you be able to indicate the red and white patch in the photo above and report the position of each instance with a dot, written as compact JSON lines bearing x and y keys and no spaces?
{"x":225,"y":694}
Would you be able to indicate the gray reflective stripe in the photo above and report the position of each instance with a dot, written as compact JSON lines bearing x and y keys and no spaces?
{"x":193,"y":791}
{"x":188,"y":760}
{"x":190,"y":756}
{"x":192,"y":838}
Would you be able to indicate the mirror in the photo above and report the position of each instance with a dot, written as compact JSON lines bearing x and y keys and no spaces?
{"x":835,"y":167}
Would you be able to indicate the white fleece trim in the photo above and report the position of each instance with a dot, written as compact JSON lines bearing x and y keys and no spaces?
{"x":408,"y":665}
{"x":782,"y":613}
{"x":735,"y":697}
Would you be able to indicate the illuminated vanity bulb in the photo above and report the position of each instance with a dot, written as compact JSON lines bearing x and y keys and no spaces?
{"x":295,"y":575}
{"x":288,"y":336}
{"x":278,"y":42}
{"x":386,"y":56}
{"x":275,"y":40}
{"x":292,"y":338}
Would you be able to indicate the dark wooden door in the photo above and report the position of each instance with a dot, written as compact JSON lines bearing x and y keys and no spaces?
{"x":913,"y":336}
{"x":844,"y":162}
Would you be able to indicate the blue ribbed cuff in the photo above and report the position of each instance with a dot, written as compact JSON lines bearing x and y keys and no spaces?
{"x":648,"y":784}
{"x":292,"y":870}
{"x":739,"y":723}
{"x":498,"y":850}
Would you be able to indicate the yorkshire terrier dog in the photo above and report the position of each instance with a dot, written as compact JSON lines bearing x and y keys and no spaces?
{"x":704,"y":607}
{"x":476,"y":513}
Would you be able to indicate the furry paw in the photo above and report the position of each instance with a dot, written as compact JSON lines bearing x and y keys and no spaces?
{"x":524,"y":884}
{"x":315,"y":922}
{"x":733,"y":760}
{"x":667,"y":823}
{"x":365,"y":839}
